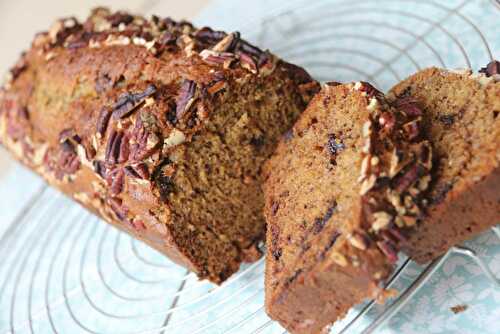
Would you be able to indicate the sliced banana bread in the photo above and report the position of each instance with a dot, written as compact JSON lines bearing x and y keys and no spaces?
{"x":461,"y":118}
{"x":157,"y":126}
{"x":342,"y":190}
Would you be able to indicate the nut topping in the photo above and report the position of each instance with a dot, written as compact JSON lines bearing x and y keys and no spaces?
{"x":381,"y":220}
{"x":493,"y":68}
{"x":358,"y":240}
{"x":338,"y":258}
{"x":129,"y":102}
{"x":186,"y":98}
{"x":228,"y":43}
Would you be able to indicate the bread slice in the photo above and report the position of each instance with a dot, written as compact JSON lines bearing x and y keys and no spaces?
{"x":342,"y":190}
{"x":157,"y":126}
{"x":461,"y":118}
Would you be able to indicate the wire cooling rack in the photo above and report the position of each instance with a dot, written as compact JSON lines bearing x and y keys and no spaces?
{"x":64,"y":271}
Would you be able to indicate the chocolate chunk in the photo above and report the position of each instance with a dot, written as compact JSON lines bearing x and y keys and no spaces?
{"x":274,"y":208}
{"x":319,"y":223}
{"x":258,"y":142}
{"x":447,"y":120}
{"x":335,"y":145}
{"x":333,"y":238}
{"x":441,"y":192}
{"x":163,"y":182}
{"x":293,"y":277}
{"x":277,"y":253}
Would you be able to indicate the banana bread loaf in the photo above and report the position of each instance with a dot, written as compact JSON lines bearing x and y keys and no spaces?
{"x":158,"y":127}
{"x":342,"y":190}
{"x":461,"y":118}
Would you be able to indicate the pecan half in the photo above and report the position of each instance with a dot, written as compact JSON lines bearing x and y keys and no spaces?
{"x":129,"y":102}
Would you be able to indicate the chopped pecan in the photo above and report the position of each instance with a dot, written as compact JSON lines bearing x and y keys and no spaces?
{"x":117,"y":18}
{"x":387,"y":120}
{"x":185,"y":98}
{"x":209,"y":36}
{"x":103,"y":120}
{"x":228,"y":43}
{"x":216,"y":58}
{"x":412,"y":129}
{"x":247,"y":62}
{"x":142,"y":170}
{"x":381,"y":220}
{"x":493,"y":68}
{"x":118,"y":208}
{"x":409,"y":106}
{"x":358,"y":240}
{"x":137,"y":224}
{"x":139,"y":171}
{"x":404,"y":181}
{"x":370,"y":91}
{"x":116,"y":181}
{"x":389,"y":250}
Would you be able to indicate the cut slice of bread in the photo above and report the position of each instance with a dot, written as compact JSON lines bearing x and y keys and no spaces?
{"x":461,"y":119}
{"x":342,"y":190}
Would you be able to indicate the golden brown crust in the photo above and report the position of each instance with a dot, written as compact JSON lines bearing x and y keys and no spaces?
{"x":461,"y":112}
{"x":109,"y":111}
{"x":334,"y":224}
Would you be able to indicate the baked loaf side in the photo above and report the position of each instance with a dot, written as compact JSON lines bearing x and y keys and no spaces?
{"x":461,"y":118}
{"x":335,"y":192}
{"x":158,"y":127}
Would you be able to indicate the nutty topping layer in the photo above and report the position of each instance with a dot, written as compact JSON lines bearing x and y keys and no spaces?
{"x":394,"y":173}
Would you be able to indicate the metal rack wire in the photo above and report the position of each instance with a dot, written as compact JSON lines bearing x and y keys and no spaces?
{"x":62,"y":268}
